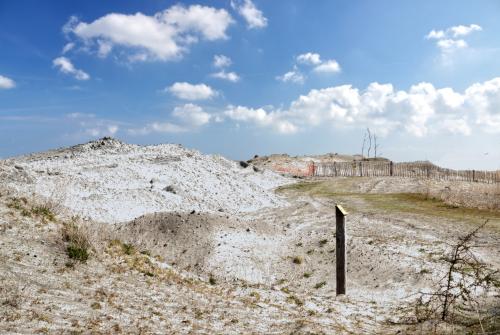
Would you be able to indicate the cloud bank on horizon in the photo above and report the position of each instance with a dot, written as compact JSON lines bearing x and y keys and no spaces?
{"x":315,"y":79}
{"x":420,"y":110}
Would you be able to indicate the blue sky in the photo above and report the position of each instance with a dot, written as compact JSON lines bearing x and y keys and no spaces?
{"x":248,"y":77}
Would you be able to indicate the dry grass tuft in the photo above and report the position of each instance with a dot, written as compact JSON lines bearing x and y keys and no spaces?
{"x":77,"y":241}
{"x":10,"y":294}
{"x":46,"y":210}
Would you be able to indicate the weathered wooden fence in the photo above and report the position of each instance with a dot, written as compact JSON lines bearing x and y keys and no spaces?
{"x":386,"y":168}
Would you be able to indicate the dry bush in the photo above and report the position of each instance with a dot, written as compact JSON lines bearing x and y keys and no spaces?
{"x":76,"y":237}
{"x":92,"y":235}
{"x":458,"y":291}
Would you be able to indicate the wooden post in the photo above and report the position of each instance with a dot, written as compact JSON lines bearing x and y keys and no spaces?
{"x":335,"y":168}
{"x":340,"y":215}
{"x":473,"y":175}
{"x":391,"y":169}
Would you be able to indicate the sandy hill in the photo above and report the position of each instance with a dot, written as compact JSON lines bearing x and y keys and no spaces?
{"x":111,"y":181}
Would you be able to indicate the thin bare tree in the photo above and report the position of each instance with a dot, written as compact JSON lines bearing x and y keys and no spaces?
{"x":369,"y":141}
{"x":376,"y":145}
{"x":363,"y":146}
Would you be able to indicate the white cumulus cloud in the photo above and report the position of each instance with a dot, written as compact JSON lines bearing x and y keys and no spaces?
{"x":461,"y":30}
{"x":104,"y":48}
{"x":261,"y":118}
{"x":449,"y":45}
{"x":309,"y":58}
{"x":313,"y":60}
{"x":453,"y":32}
{"x":6,"y":83}
{"x":253,"y":16}
{"x":163,"y":36}
{"x":419,"y":111}
{"x":484,"y":100}
{"x":329,"y":66}
{"x":436,"y":34}
{"x":293,"y":76}
{"x":65,"y":66}
{"x":69,"y":46}
{"x":229,"y":76}
{"x":221,"y":61}
{"x":184,"y":118}
{"x":191,"y":115}
{"x":451,"y":39}
{"x":187,"y":91}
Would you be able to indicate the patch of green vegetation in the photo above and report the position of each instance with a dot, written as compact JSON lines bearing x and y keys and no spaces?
{"x":25,"y":212}
{"x":148,"y":273}
{"x":285,"y":290}
{"x":307,"y":275}
{"x":77,"y":253}
{"x":416,"y":203}
{"x":128,"y":249}
{"x":77,"y":242}
{"x":212,"y":280}
{"x":256,"y":295}
{"x":297,"y":260}
{"x":16,"y":203}
{"x":95,"y":305}
{"x":21,"y":204}
{"x":323,"y":242}
{"x":301,"y":187}
{"x":324,"y":188}
{"x":296,"y":300}
{"x":320,"y":285}
{"x":281,"y":281}
{"x":420,"y":204}
{"x":44,"y":212}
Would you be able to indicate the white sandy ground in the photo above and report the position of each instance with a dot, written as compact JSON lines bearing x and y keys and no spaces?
{"x":258,"y":288}
{"x":248,"y":249}
{"x":109,"y":181}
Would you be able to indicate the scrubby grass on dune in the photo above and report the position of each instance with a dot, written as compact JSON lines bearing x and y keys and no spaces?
{"x":343,"y":190}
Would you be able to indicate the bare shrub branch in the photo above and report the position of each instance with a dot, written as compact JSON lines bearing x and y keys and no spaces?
{"x":465,"y":279}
